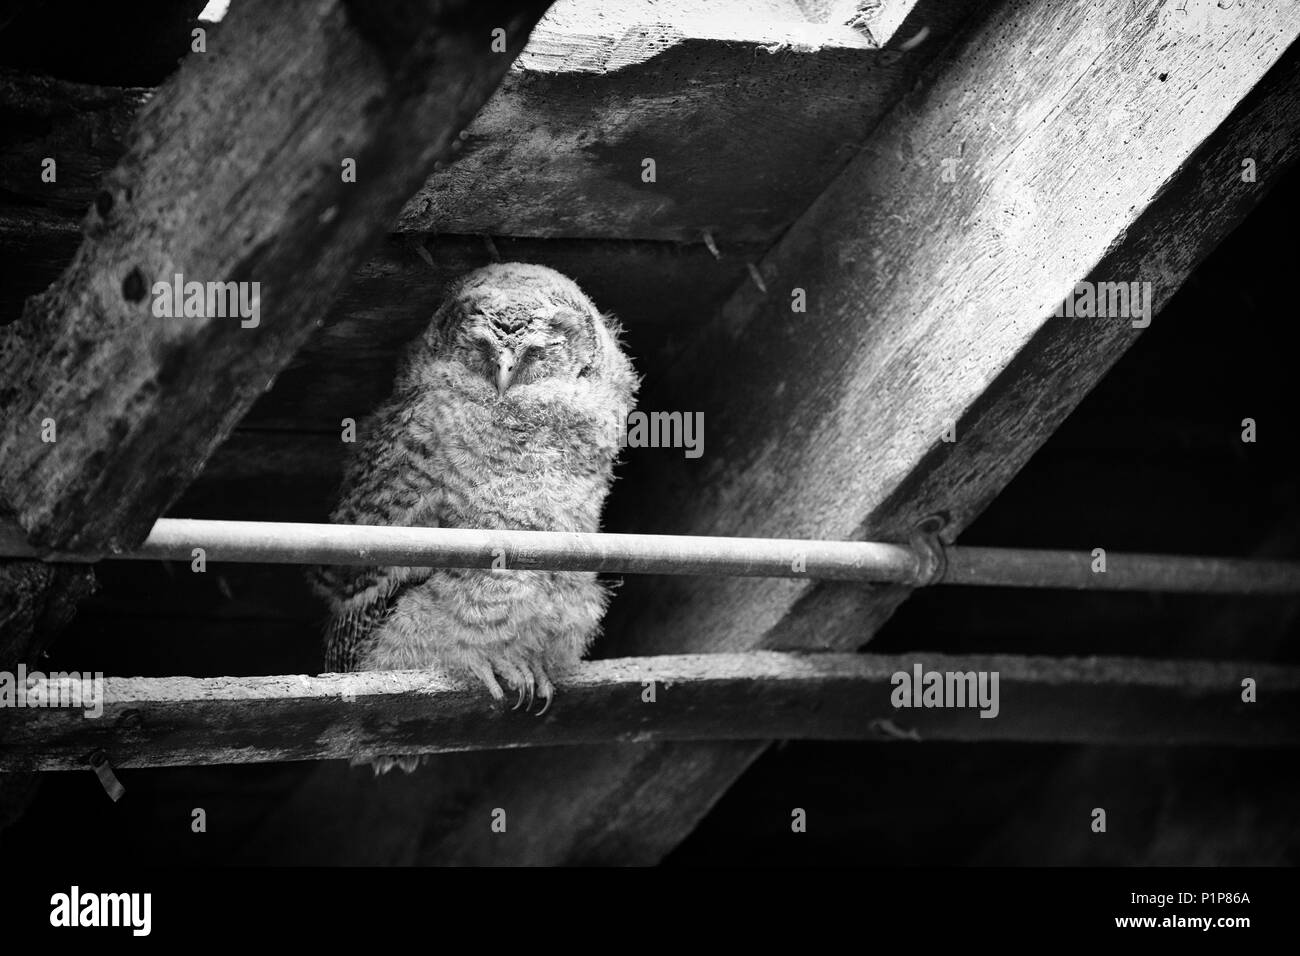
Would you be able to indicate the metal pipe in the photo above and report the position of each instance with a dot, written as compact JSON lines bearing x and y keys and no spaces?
{"x":284,"y":543}
{"x":293,"y":543}
{"x":1022,"y":568}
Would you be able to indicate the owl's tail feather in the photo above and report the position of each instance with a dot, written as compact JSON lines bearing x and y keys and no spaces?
{"x":381,"y":765}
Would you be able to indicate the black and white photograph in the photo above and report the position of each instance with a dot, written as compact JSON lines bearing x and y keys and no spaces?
{"x":683,"y":434}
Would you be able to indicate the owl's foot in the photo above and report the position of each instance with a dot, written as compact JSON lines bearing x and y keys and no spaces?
{"x":522,"y":671}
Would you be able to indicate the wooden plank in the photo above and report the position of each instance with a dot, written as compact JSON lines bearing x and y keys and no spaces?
{"x":234,"y":175}
{"x":1077,"y":137}
{"x":597,"y":91}
{"x":746,"y":116}
{"x":347,"y":365}
{"x":181,"y":721}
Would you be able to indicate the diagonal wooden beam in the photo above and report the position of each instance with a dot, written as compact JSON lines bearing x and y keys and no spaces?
{"x":235,"y":173}
{"x":1091,"y":143}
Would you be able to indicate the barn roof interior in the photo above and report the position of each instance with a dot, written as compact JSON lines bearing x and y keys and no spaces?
{"x":793,"y":146}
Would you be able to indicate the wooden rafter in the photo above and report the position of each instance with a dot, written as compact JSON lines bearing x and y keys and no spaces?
{"x":347,"y":367}
{"x":234,"y":174}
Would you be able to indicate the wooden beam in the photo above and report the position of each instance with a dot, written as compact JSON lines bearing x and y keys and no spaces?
{"x":1094,"y":143}
{"x":596,"y":92}
{"x":235,"y":174}
{"x":745,"y":114}
{"x":83,"y":129}
{"x":185,"y":721}
{"x":347,"y":365}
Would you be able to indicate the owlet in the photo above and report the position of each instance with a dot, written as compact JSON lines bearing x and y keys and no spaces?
{"x":503,"y":416}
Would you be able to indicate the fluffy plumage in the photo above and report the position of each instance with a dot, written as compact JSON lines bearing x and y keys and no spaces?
{"x":503,"y":416}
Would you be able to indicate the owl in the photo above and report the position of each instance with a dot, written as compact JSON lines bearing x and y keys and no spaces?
{"x":503,"y":415}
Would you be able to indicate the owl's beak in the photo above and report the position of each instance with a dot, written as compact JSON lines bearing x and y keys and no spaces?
{"x":507,"y":362}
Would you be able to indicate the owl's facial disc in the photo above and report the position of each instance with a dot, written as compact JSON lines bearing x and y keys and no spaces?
{"x":532,"y":346}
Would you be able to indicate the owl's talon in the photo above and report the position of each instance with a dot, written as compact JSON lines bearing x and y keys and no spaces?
{"x":489,"y":680}
{"x":545,"y":690}
{"x":519,"y":703}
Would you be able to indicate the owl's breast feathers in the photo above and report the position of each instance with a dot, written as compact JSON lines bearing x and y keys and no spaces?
{"x":454,"y":454}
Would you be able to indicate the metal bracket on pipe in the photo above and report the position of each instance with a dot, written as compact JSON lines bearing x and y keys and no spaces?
{"x":931,"y":556}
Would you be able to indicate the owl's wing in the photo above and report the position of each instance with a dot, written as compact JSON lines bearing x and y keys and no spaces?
{"x":347,"y":630}
{"x":361,"y":597}
{"x":391,"y":481}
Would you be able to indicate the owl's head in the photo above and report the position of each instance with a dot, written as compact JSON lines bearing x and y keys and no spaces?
{"x":514,"y":324}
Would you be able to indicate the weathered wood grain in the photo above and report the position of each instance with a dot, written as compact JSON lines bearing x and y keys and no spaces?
{"x":82,"y":129}
{"x":181,"y":721}
{"x":347,"y":366}
{"x":747,"y":118}
{"x":747,"y":113}
{"x":1075,"y":135}
{"x":233,"y":175}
